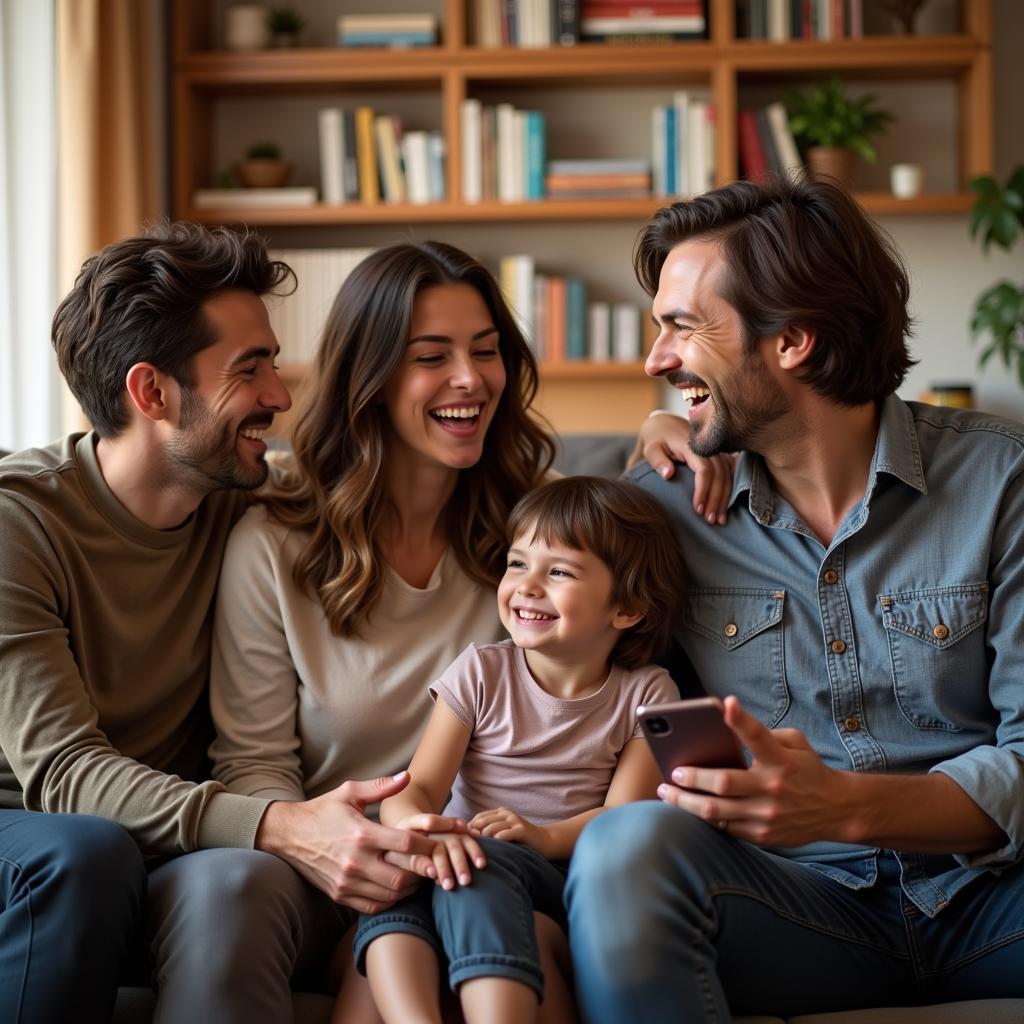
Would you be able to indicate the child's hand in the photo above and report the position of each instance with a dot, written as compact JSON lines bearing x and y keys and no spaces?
{"x":451,"y":858}
{"x":502,"y":823}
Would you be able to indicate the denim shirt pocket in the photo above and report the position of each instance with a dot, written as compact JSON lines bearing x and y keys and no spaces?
{"x":746,"y":625}
{"x":935,"y":647}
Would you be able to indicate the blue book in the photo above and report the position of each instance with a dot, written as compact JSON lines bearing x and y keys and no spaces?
{"x":575,"y":318}
{"x":535,"y":149}
{"x":671,"y":154}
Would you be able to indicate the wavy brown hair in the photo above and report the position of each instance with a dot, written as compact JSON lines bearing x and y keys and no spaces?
{"x":336,"y":492}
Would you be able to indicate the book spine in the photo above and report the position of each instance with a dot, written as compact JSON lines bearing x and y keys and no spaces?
{"x":387,"y":155}
{"x":472,"y":168}
{"x":556,"y":320}
{"x":535,"y":154}
{"x":350,"y":161}
{"x":658,"y":183}
{"x":505,"y":152}
{"x":540,"y":316}
{"x":771,"y":154}
{"x":417,"y":167}
{"x":567,"y":22}
{"x":751,"y":152}
{"x":785,"y":144}
{"x":625,"y":332}
{"x":436,"y":152}
{"x":599,"y":332}
{"x":366,"y":154}
{"x":671,"y":155}
{"x":329,"y":137}
{"x":681,"y":103}
{"x":575,"y":319}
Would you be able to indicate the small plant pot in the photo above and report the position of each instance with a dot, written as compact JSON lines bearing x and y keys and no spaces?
{"x":284,"y":40}
{"x":833,"y":163}
{"x":263,"y":173}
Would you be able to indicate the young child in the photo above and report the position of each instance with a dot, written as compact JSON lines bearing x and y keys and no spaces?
{"x":532,"y":737}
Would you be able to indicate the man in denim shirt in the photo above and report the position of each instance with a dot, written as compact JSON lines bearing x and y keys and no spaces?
{"x":861,"y":615}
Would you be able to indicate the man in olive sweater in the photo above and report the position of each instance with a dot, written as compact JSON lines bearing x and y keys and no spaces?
{"x":110,"y":548}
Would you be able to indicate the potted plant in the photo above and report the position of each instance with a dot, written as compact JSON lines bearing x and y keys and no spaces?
{"x":997,"y":216}
{"x":832,"y":130}
{"x":285,"y":24}
{"x":263,"y":167}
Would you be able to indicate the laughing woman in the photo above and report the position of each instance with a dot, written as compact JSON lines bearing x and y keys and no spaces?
{"x":374,"y":561}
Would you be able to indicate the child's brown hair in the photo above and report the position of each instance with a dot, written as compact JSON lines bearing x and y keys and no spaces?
{"x":629,"y":531}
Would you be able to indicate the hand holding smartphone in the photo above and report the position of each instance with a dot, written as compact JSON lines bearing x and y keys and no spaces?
{"x":691,"y":733}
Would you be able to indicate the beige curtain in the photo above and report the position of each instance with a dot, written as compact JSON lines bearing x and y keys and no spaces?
{"x":109,"y":130}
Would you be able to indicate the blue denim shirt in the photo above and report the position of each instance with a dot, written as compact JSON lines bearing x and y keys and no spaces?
{"x":900,"y":647}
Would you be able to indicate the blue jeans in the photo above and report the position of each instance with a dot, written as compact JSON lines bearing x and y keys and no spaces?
{"x":483,"y":930}
{"x":671,"y":920}
{"x":72,"y":891}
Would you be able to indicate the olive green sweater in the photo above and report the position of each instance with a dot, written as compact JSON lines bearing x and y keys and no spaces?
{"x":105,"y":630}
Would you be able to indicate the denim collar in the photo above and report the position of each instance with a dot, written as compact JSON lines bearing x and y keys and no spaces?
{"x":896,"y":453}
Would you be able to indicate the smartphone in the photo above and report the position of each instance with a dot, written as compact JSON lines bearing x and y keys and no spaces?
{"x":692,"y":733}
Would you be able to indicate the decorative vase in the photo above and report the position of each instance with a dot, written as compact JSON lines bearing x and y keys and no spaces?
{"x":245,"y":27}
{"x":833,"y":162}
{"x":263,"y":173}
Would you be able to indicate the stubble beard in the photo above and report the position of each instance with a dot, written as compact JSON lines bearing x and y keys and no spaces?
{"x":204,"y":451}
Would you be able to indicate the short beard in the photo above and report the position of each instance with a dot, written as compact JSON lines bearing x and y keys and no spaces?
{"x":741,"y":426}
{"x":204,"y":450}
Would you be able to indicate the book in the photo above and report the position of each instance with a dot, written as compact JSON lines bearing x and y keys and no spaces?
{"x":436,"y":150}
{"x":682,"y":23}
{"x":472,"y":152}
{"x":771,"y":154}
{"x":330,"y":140}
{"x":671,"y":153}
{"x":565,"y":29}
{"x":504,"y":156}
{"x":515,"y":277}
{"x":599,"y":332}
{"x":349,"y":162}
{"x":659,"y":178}
{"x":701,"y":149}
{"x":599,"y":166}
{"x":366,"y":154}
{"x":416,"y":162}
{"x":387,"y":136}
{"x":555,"y":343}
{"x":792,"y":166}
{"x":575,"y":318}
{"x":752,"y":157}
{"x":253,"y":198}
{"x":681,"y":104}
{"x":625,"y":332}
{"x":597,"y":182}
{"x":534,"y":156}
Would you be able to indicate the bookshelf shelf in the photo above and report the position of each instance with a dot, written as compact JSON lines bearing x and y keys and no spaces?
{"x":737,"y":72}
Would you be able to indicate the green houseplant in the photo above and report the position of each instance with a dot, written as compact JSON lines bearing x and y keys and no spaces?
{"x":833,"y":130}
{"x":263,"y":167}
{"x":997,"y":217}
{"x":285,"y":24}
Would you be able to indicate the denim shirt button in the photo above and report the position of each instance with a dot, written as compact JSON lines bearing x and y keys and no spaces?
{"x":851,"y":724}
{"x":940,"y":632}
{"x":838,"y":647}
{"x":831,"y":576}
{"x":731,"y":630}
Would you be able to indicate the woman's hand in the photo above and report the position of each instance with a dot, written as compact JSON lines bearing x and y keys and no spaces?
{"x":501,"y":823}
{"x":664,"y":439}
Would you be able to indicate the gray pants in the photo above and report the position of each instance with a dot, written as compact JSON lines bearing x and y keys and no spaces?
{"x":228,"y":931}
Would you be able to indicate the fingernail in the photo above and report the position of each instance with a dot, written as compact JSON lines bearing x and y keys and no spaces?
{"x":711,"y":517}
{"x":722,"y":519}
{"x":663,"y":791}
{"x":663,"y":470}
{"x":480,"y":863}
{"x":700,"y":510}
{"x":401,"y":775}
{"x":448,"y":884}
{"x":465,"y":879}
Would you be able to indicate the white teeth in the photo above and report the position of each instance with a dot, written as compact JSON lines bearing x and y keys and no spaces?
{"x":464,"y":412}
{"x":254,"y":433}
{"x":533,"y":616}
{"x":690,"y":394}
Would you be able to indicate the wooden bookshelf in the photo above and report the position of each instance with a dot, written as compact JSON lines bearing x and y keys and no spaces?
{"x":455,"y":69}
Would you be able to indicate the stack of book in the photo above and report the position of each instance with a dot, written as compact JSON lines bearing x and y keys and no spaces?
{"x":253,"y":198}
{"x":683,"y":144}
{"x":598,"y":179}
{"x":394,"y":30}
{"x":503,"y":153}
{"x":525,"y":23}
{"x":782,"y":20}
{"x":366,"y":157}
{"x":560,"y":323}
{"x":766,"y":144}
{"x":298,"y":319}
{"x":642,"y":21}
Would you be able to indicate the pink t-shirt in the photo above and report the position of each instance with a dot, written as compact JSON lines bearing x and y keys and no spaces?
{"x":545,"y":758}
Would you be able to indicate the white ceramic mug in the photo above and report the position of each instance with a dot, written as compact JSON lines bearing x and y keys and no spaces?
{"x":245,"y":27}
{"x":907,"y":180}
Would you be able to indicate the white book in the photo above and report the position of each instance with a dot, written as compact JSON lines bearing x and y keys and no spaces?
{"x":785,"y":144}
{"x":658,"y":154}
{"x":779,"y":30}
{"x":824,"y":11}
{"x":515,"y":276}
{"x":472,"y":163}
{"x":625,"y":332}
{"x":599,"y":332}
{"x":701,"y":151}
{"x":417,"y":167}
{"x":681,"y":101}
{"x":519,"y":156}
{"x":330,"y":136}
{"x":253,"y":198}
{"x":505,"y":116}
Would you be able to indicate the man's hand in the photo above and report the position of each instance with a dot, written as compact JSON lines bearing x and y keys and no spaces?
{"x":330,"y":842}
{"x":501,"y":823}
{"x":787,"y":797}
{"x":664,"y":440}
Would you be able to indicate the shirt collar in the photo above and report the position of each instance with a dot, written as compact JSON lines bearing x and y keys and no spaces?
{"x":897,"y":453}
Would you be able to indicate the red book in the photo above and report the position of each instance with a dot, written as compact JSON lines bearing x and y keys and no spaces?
{"x":554,"y":351}
{"x":752,"y":155}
